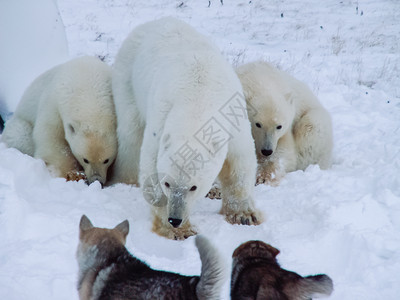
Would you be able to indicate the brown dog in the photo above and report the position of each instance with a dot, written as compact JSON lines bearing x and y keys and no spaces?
{"x":257,"y":275}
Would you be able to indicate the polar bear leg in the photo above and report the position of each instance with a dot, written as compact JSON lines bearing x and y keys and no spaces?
{"x":18,"y":134}
{"x":149,"y":181}
{"x":284,"y":160}
{"x":130,"y":136}
{"x":237,"y":179}
{"x":51,"y":146}
{"x":131,"y":123}
{"x":313,"y":138}
{"x":152,"y":136}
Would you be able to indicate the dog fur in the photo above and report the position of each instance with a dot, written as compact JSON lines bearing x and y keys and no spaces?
{"x":257,"y":275}
{"x":108,"y":271}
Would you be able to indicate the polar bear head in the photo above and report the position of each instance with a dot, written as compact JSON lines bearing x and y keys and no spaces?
{"x":186,"y":173}
{"x":94,"y":150}
{"x":273,"y":120}
{"x":270,"y":105}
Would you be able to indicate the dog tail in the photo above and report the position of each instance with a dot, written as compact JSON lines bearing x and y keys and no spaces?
{"x":212,"y":271}
{"x":316,"y":286}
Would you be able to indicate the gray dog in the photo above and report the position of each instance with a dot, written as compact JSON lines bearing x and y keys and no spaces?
{"x":108,"y":271}
{"x":257,"y":275}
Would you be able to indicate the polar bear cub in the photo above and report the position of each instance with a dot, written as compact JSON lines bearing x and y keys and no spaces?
{"x":290,"y":127}
{"x":66,"y":117}
{"x":173,"y":95}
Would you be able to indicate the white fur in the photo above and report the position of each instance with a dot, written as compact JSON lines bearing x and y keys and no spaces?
{"x":67,"y":115}
{"x":277,"y":99}
{"x":168,"y":81}
{"x":101,"y":281}
{"x":212,"y":270}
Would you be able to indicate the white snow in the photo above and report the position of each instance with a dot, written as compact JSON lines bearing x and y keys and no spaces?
{"x":32,"y":39}
{"x":344,"y":221}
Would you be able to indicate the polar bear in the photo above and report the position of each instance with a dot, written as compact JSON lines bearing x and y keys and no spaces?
{"x":182,"y":121}
{"x":67,"y":118}
{"x":290,"y":127}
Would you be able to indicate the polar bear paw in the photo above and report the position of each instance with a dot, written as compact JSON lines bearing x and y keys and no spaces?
{"x":166,"y":230}
{"x":214,"y":193}
{"x":267,"y":178}
{"x":182,"y":234}
{"x":75,"y":176}
{"x":252,"y":217}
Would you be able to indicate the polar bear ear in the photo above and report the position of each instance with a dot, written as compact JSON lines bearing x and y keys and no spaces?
{"x":215,"y":143}
{"x":289,"y":97}
{"x":166,"y":141}
{"x":71,"y":128}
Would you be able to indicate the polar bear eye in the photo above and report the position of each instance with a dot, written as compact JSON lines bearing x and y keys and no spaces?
{"x":85,"y":161}
{"x":193,"y":188}
{"x":279,"y":127}
{"x":258,"y":125}
{"x":106,"y":161}
{"x":166,"y":184}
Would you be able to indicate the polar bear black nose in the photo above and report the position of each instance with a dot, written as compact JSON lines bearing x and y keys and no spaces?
{"x":175,"y":222}
{"x":266,"y":152}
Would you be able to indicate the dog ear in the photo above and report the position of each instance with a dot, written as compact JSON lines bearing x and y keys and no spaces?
{"x":273,"y":250}
{"x":85,"y":223}
{"x":123,"y":227}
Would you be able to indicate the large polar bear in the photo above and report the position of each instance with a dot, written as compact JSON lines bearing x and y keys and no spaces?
{"x":182,"y":121}
{"x":290,"y":127}
{"x":66,"y":117}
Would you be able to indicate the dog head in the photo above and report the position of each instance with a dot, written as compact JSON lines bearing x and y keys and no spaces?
{"x":96,"y":243}
{"x":255,"y":249}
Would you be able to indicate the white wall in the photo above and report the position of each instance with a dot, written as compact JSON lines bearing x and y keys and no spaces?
{"x":32,"y":39}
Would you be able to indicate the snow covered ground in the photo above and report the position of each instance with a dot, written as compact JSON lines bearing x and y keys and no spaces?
{"x":344,"y":221}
